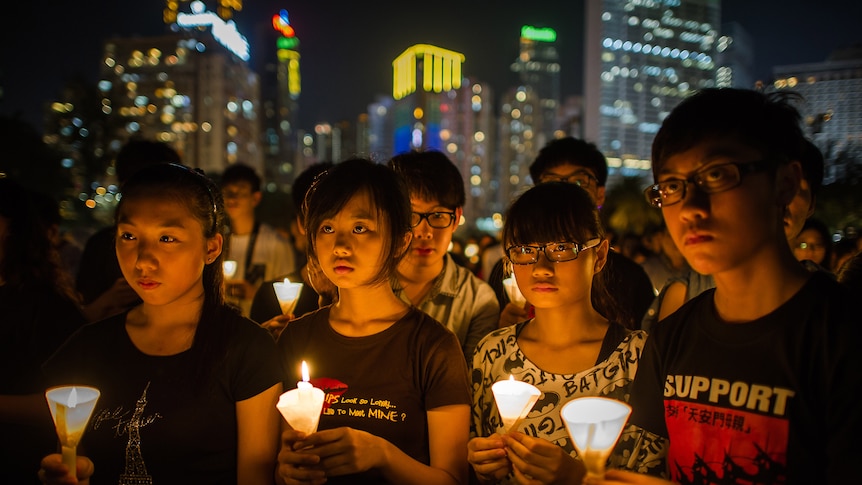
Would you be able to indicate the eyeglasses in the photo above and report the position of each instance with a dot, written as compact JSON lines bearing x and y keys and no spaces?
{"x":710,"y":180}
{"x":558,"y":252}
{"x":581,"y":178}
{"x":437,"y":220}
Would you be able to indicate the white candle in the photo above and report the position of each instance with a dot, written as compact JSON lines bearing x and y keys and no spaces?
{"x":512,"y":290}
{"x":301,"y":407}
{"x":515,"y":399}
{"x":287,"y":294}
{"x":229,"y":267}
{"x":71,"y":407}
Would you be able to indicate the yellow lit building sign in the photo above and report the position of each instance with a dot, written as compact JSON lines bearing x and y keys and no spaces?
{"x":441,"y":70}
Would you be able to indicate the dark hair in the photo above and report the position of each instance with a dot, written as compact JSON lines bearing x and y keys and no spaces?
{"x":240,"y":172}
{"x":303,"y":182}
{"x":765,"y":122}
{"x":430,"y":175}
{"x":570,"y":150}
{"x":821,"y":228}
{"x":196,"y":191}
{"x":335,"y":188}
{"x":555,"y":212}
{"x":29,"y":257}
{"x":812,"y":166}
{"x":138,"y":153}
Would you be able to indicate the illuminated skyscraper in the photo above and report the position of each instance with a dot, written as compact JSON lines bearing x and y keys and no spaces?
{"x":642,"y":58}
{"x":538,"y":68}
{"x":832,"y":106}
{"x":192,"y":89}
{"x":435,"y":107}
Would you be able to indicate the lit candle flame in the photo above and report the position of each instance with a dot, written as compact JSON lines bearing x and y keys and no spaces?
{"x":286,"y":281}
{"x":73,"y":398}
{"x":304,"y":371}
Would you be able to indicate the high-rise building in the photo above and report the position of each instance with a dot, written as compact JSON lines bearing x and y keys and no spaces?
{"x":831,"y":106}
{"x":435,"y":107}
{"x":642,"y":57}
{"x":538,"y":68}
{"x":191,"y":88}
{"x":734,"y":58}
{"x":281,"y":87}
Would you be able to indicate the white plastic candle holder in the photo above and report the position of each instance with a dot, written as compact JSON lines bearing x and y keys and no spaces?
{"x":515,"y":399}
{"x":595,"y":424}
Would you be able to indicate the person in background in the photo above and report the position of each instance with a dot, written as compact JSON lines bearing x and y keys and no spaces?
{"x":428,"y":278}
{"x":814,"y":244}
{"x":664,"y":262}
{"x":260,"y":252}
{"x":68,"y":250}
{"x":39,"y":309}
{"x":188,"y":386}
{"x":580,"y":162}
{"x":397,"y":406}
{"x":104,"y":291}
{"x":766,"y":361}
{"x":568,"y":350}
{"x":264,"y":307}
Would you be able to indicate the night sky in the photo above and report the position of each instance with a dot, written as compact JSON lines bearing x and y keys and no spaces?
{"x":347,"y":49}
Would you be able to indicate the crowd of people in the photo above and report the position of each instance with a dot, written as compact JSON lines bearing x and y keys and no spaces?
{"x":730,"y":338}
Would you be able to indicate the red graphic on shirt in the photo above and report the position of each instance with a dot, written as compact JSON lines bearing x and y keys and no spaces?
{"x":333,"y":388}
{"x":712,"y":445}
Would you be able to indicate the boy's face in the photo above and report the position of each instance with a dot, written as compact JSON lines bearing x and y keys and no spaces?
{"x":729,"y":229}
{"x":574,"y":173}
{"x":239,"y":199}
{"x":430,"y":244}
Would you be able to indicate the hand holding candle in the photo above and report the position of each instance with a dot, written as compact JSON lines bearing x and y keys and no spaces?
{"x":71,"y":408}
{"x":515,"y":399}
{"x":595,"y":424}
{"x":287,"y":294}
{"x":301,"y":407}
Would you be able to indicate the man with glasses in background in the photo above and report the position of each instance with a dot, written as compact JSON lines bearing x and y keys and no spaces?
{"x":579,"y":162}
{"x":428,"y":277}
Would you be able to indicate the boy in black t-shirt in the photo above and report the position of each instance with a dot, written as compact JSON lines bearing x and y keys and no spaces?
{"x":749,"y":382}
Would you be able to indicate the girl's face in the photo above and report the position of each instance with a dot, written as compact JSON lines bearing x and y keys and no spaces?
{"x":162,"y":250}
{"x":350,"y":244}
{"x":546,"y":284}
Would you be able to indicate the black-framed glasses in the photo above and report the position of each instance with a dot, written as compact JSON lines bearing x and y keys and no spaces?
{"x":437,"y":220}
{"x":557,"y":252}
{"x":710,"y":180}
{"x":581,"y":178}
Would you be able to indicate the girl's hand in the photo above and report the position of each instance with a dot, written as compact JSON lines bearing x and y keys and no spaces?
{"x":344,"y":451}
{"x":488,"y":458}
{"x":295,"y":464}
{"x":513,"y":313}
{"x":535,"y":460}
{"x":52,"y":471}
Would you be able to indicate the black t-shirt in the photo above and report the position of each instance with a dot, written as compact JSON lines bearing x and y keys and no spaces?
{"x":155,"y":418}
{"x":383,"y":383}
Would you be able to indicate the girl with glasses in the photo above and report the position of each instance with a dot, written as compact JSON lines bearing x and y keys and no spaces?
{"x":397,"y":392}
{"x":555,"y":243}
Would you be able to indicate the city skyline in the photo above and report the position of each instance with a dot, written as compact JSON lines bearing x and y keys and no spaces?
{"x":347,"y":49}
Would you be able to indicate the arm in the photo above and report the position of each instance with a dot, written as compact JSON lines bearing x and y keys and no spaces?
{"x":21,"y":409}
{"x":257,"y":437}
{"x":345,"y":451}
{"x":513,"y":314}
